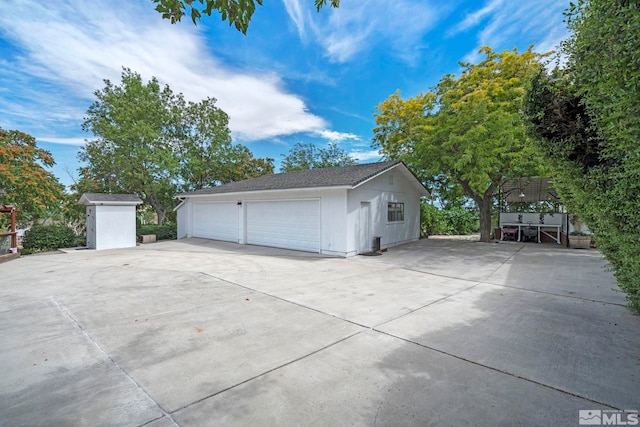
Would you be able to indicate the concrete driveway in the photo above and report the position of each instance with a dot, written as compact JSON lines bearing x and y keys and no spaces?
{"x":197,"y":332}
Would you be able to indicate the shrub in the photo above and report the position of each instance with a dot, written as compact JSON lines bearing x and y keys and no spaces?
{"x":453,"y":220}
{"x":48,"y":237}
{"x":81,"y":240}
{"x":459,"y":220}
{"x":162,"y":232}
{"x":429,"y":219}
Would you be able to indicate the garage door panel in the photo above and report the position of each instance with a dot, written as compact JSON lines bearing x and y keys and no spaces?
{"x":285,"y":224}
{"x":217,"y":221}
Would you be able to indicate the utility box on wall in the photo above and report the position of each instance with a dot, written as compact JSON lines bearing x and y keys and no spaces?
{"x":110,"y":220}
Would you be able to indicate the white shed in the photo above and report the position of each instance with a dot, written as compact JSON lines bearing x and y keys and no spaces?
{"x":334,"y":211}
{"x":110,"y":220}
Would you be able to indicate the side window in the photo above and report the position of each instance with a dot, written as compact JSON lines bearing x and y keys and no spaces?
{"x":395,"y":212}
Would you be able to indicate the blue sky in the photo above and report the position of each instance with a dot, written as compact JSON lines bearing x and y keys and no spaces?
{"x":297,"y":76}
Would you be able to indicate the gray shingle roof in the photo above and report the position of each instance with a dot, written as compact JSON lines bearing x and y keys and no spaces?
{"x":327,"y":177}
{"x":92,"y":198}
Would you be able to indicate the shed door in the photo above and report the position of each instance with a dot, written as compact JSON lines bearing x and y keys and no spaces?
{"x":218,"y":221}
{"x":285,"y":224}
{"x":91,"y":227}
{"x":365,"y":238}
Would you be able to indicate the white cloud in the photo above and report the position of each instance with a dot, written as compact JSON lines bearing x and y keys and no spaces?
{"x":334,"y":136}
{"x":473,"y":19}
{"x":63,"y":141}
{"x":359,"y":26}
{"x":362,"y":156}
{"x":73,"y":45}
{"x":299,"y":14}
{"x":502,"y":22}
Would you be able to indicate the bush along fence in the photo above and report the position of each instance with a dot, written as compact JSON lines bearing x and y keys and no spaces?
{"x":42,"y":238}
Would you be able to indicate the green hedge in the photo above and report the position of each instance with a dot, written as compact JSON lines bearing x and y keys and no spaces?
{"x":460,"y":221}
{"x":48,"y":238}
{"x":429,"y":219}
{"x":454,"y":220}
{"x":162,"y":232}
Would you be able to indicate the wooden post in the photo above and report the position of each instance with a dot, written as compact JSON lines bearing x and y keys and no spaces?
{"x":14,"y":238}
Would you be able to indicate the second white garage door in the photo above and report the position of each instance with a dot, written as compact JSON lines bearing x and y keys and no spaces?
{"x":284,"y":224}
{"x":217,"y":221}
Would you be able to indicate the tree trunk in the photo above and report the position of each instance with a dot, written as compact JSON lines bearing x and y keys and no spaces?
{"x":161,"y":212}
{"x":484,"y":207}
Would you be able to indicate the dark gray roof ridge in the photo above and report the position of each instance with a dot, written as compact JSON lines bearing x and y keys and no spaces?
{"x":324,"y":177}
{"x":110,"y":197}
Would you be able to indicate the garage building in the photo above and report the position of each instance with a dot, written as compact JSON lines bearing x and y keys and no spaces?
{"x":333,"y":211}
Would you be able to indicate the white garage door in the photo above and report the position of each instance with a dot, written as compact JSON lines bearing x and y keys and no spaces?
{"x":285,"y":224}
{"x":217,"y":221}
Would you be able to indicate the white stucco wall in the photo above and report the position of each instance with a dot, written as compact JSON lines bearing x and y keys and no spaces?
{"x":115,"y":227}
{"x":390,"y":187}
{"x":333,"y":208}
{"x":183,"y":212}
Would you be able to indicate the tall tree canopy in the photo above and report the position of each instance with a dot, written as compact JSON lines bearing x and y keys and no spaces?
{"x":207,"y":155}
{"x":151,"y":142}
{"x":24,"y":180}
{"x":308,"y":156}
{"x":586,"y":117}
{"x":136,"y":126}
{"x":468,"y":129}
{"x":237,"y":12}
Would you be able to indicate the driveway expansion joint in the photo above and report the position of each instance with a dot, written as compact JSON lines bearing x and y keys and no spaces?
{"x":66,"y":313}
{"x":516,"y":376}
{"x":249,"y":288}
{"x":427,"y":305}
{"x":268,"y":371}
{"x":555,"y":294}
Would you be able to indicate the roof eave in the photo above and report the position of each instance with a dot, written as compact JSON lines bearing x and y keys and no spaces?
{"x":278,"y":190}
{"x":108,"y":203}
{"x":95,"y":199}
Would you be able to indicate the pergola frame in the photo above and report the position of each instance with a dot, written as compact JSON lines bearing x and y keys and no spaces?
{"x":529,"y":190}
{"x":13,"y":234}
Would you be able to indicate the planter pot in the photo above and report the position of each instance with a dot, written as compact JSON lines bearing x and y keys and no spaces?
{"x":148,"y":238}
{"x":580,"y":242}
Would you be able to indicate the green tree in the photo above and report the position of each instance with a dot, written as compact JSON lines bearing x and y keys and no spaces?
{"x":308,"y":156}
{"x":586,"y":117}
{"x":136,"y":127}
{"x":206,"y":136}
{"x":240,"y":164}
{"x":237,"y":12}
{"x":24,"y":180}
{"x":207,"y":155}
{"x":151,"y":142}
{"x":468,"y":129}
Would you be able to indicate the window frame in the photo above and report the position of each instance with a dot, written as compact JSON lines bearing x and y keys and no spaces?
{"x":395,"y":212}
